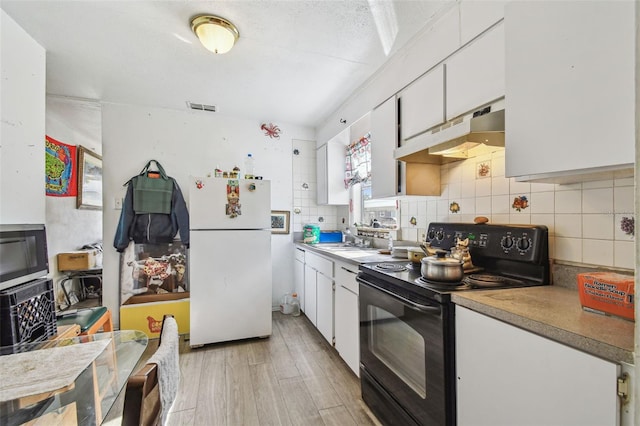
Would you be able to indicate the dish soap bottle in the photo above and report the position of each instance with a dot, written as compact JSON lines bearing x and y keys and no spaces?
{"x":295,"y":305}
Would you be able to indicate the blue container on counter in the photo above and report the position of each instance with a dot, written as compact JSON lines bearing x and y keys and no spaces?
{"x":330,"y":237}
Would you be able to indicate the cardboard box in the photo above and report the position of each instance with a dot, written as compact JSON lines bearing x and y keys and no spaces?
{"x":608,"y":293}
{"x":147,"y":317}
{"x":78,"y":260}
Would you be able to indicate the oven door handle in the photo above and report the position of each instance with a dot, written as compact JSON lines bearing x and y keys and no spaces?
{"x":412,"y":305}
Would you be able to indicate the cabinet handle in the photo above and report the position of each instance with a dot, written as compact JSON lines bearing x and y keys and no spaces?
{"x":349,"y":290}
{"x":354,"y":273}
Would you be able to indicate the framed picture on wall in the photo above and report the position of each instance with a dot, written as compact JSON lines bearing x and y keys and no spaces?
{"x":279,"y":222}
{"x":89,"y":180}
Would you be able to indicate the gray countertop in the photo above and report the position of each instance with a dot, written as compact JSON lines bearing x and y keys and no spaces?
{"x":354,"y":255}
{"x":550,"y":311}
{"x":555,"y":312}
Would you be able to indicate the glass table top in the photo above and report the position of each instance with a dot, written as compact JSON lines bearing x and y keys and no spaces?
{"x":93,"y":393}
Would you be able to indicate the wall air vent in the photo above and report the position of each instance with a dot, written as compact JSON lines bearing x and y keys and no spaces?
{"x":202,"y":107}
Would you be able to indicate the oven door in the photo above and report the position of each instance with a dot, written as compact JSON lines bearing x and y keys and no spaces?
{"x":406,"y":355}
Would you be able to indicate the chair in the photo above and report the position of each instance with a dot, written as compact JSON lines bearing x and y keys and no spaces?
{"x":90,"y":320}
{"x":151,"y":391}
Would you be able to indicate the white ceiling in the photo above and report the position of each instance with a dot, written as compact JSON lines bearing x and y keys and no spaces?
{"x":296,"y":61}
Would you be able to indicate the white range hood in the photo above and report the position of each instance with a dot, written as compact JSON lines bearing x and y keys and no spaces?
{"x":455,"y":140}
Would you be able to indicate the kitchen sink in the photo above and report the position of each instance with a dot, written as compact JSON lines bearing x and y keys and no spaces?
{"x":348,"y":251}
{"x":340,"y":247}
{"x":356,"y":253}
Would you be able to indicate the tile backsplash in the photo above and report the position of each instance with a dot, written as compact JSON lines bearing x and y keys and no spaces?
{"x":305,"y":208}
{"x":585,"y":220}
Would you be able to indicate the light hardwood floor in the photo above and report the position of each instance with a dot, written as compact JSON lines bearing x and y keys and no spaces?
{"x":293,"y":377}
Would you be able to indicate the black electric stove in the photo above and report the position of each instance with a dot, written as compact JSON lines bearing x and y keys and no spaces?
{"x":407,"y":324}
{"x":503,"y":256}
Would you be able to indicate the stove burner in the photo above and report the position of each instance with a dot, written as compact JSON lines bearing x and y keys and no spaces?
{"x":488,"y":280}
{"x":391,"y":267}
{"x":454,"y":285}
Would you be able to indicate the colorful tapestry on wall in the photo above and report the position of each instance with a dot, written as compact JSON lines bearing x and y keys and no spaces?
{"x":60,"y":169}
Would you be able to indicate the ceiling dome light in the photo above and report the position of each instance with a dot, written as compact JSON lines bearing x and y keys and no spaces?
{"x":216,"y":34}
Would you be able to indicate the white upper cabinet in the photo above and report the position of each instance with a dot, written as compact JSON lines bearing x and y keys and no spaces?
{"x":384,"y":139}
{"x":569,"y":90}
{"x":390,"y":177}
{"x":422,"y":104}
{"x":321,"y":175}
{"x":475,"y":74}
{"x":330,"y":159}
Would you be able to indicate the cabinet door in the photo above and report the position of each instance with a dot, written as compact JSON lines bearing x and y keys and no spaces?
{"x":298,"y":278}
{"x":321,"y":175}
{"x":569,"y":87}
{"x":530,"y":380}
{"x":422,"y":103}
{"x":324,"y":305}
{"x":347,"y":322}
{"x":310,"y":285}
{"x":475,"y":74}
{"x":330,"y":161}
{"x":384,"y":139}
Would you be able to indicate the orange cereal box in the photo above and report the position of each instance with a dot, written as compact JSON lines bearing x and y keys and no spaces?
{"x":607,"y":292}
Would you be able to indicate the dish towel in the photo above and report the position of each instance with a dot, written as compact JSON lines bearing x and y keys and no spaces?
{"x":167,"y":359}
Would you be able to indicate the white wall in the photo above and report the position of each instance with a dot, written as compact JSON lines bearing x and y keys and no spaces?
{"x":73,"y":122}
{"x":192,"y":143}
{"x":22,"y":112}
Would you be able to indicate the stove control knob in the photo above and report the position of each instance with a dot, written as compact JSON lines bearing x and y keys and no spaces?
{"x":524,"y":244}
{"x":431,"y":234}
{"x":440,"y":235}
{"x":507,"y":242}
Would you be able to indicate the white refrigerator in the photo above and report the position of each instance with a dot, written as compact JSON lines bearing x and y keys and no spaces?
{"x":229,"y":259}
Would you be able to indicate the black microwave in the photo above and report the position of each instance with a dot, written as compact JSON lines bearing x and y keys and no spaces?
{"x":23,"y":254}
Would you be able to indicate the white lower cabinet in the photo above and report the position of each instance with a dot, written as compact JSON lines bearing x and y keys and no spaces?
{"x":310,"y":286}
{"x":331,"y":302}
{"x":509,"y":376}
{"x":347,"y":323}
{"x":318,"y":293}
{"x":324,"y":306}
{"x":298,"y":275}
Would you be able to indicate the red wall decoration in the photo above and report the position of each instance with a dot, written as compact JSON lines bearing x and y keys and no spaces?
{"x":61,"y":169}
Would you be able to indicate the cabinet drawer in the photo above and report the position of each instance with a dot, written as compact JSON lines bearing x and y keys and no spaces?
{"x":346,"y":276}
{"x":320,"y":264}
{"x":298,"y":254}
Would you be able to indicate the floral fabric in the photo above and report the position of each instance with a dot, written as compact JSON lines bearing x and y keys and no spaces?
{"x":358,"y":161}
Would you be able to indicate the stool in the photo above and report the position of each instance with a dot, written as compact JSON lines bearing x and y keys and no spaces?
{"x":90,"y":320}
